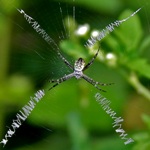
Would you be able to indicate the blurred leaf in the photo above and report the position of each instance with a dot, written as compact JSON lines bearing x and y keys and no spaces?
{"x":8,"y":6}
{"x":106,"y":6}
{"x":74,"y":49}
{"x":142,"y":141}
{"x":146,"y":120}
{"x":140,"y":65}
{"x":54,"y":141}
{"x":78,"y":132}
{"x":142,"y":146}
{"x":141,"y":137}
{"x":16,"y":90}
{"x":145,"y":44}
{"x":78,"y":96}
{"x":130,"y":32}
{"x":110,"y":143}
{"x":113,"y":44}
{"x":66,"y":98}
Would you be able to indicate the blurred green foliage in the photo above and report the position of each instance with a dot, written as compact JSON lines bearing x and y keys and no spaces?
{"x":69,"y":114}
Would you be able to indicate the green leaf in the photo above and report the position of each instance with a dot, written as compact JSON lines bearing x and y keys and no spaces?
{"x":139,"y":65}
{"x":70,"y":96}
{"x":78,"y":132}
{"x":146,"y":119}
{"x":130,"y":32}
{"x":74,"y":49}
{"x":145,"y":44}
{"x":112,"y":44}
{"x":142,"y":139}
{"x":106,"y":6}
{"x":78,"y":96}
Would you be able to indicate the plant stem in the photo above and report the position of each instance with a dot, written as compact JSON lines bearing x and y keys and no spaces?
{"x":134,"y":81}
{"x":78,"y":133}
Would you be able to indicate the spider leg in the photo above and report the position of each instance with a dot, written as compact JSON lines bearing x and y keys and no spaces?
{"x":92,"y":60}
{"x":58,"y":81}
{"x":104,"y":84}
{"x":94,"y":83}
{"x":64,"y":60}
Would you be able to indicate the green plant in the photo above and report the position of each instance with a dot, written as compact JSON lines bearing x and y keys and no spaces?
{"x":126,"y":46}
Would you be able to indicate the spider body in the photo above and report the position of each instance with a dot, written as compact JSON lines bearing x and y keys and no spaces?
{"x":79,"y":67}
{"x":79,"y":64}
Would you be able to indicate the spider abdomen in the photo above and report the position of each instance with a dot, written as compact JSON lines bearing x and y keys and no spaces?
{"x":79,"y":64}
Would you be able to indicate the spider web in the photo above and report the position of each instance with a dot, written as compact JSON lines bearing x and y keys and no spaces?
{"x":37,"y":50}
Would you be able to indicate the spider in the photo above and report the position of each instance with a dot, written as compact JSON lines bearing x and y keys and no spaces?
{"x":79,"y":67}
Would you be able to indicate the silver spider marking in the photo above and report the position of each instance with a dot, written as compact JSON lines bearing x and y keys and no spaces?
{"x":78,"y":67}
